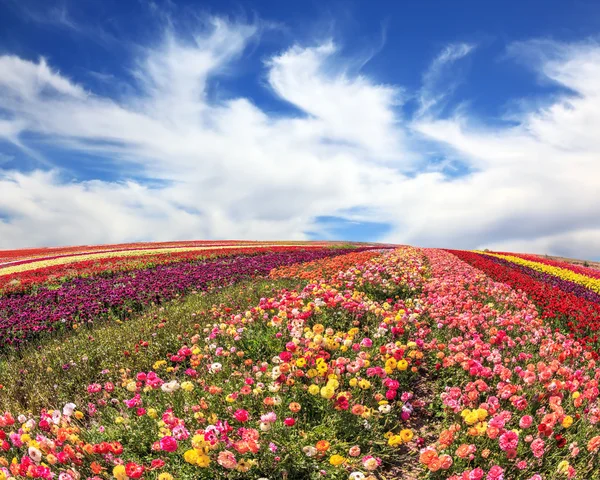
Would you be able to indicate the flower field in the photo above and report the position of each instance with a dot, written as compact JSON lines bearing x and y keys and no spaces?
{"x":287,"y":361}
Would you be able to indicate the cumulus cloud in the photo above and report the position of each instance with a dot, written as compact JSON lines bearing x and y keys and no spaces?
{"x":190,"y":166}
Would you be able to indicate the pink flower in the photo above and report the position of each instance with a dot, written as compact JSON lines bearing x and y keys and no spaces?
{"x":495,"y":473}
{"x":354,"y":451}
{"x":522,"y":465}
{"x":270,"y":417}
{"x":537,"y":447}
{"x":509,"y":441}
{"x":241,"y":415}
{"x":526,"y":421}
{"x":476,"y":474}
{"x":168,"y":444}
{"x":227,"y":459}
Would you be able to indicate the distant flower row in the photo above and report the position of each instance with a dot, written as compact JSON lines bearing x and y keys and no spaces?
{"x":84,"y":300}
{"x":54,"y":270}
{"x":566,"y":305}
{"x":587,"y":279}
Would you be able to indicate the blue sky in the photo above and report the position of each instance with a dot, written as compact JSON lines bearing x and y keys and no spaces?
{"x":461,"y":124}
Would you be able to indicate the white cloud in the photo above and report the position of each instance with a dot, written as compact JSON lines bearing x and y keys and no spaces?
{"x":228,"y":169}
{"x":436,"y":84}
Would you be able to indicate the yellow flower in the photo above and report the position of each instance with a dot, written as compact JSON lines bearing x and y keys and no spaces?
{"x":312,"y":373}
{"x":203,"y":461}
{"x":402,"y":365}
{"x":471,"y":418}
{"x":364,"y":384}
{"x":333,"y":383}
{"x":78,"y":415}
{"x":191,"y":456}
{"x":481,"y":414}
{"x":336,"y":460}
{"x":567,"y":421}
{"x":131,"y":386}
{"x":165,"y":476}
{"x":187,"y":386}
{"x":152,"y":413}
{"x":576,"y":395}
{"x":327,"y":392}
{"x":563,"y":467}
{"x":119,"y":472}
{"x":313,"y":389}
{"x":407,"y":435}
{"x":353,"y":382}
{"x":395,"y":441}
{"x":301,"y":362}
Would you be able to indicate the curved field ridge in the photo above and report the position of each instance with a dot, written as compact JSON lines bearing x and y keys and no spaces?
{"x":564,"y":273}
{"x":588,"y":271}
{"x":560,"y":308}
{"x":84,"y":300}
{"x":32,"y":264}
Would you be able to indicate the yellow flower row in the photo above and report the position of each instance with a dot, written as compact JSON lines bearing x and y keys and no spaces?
{"x":24,"y":267}
{"x":563,"y":273}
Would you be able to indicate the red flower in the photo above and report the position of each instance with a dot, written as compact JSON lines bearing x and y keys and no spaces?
{"x":133,"y":470}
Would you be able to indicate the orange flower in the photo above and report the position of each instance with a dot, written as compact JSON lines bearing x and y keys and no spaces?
{"x":446,"y":438}
{"x":593,"y":444}
{"x":323,"y":445}
{"x":295,"y":407}
{"x":96,"y":468}
{"x":462,"y":451}
{"x":427,"y":456}
{"x":445,"y":461}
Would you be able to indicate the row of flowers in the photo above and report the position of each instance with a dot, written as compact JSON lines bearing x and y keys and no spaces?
{"x":520,"y":401}
{"x":33,"y":264}
{"x":81,"y":266}
{"x":584,"y":279}
{"x":29,"y":254}
{"x":312,"y":383}
{"x":566,"y":308}
{"x":84,"y":300}
{"x":588,"y":271}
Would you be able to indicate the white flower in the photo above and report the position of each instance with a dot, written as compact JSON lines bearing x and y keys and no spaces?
{"x":356,"y":476}
{"x":264,"y":426}
{"x":68,"y":409}
{"x":170,"y":387}
{"x":309,"y":451}
{"x":35,"y":454}
{"x":22,"y":418}
{"x":385,"y":408}
{"x":275,"y":388}
{"x":56,"y":416}
{"x":215,"y":367}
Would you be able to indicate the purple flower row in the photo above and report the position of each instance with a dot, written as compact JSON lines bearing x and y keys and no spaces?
{"x":564,"y":285}
{"x":23,"y":317}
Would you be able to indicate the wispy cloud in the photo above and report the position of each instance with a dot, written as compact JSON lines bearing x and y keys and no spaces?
{"x":437,"y":81}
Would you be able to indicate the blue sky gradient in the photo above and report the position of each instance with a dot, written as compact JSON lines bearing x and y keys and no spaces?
{"x":454,"y":124}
